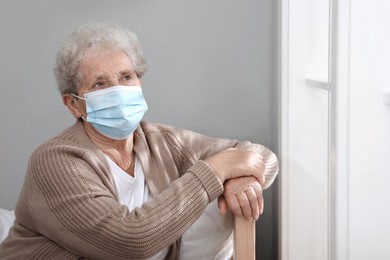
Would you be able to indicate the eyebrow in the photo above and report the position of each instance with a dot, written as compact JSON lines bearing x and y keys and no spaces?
{"x":127,"y":71}
{"x":102,"y":76}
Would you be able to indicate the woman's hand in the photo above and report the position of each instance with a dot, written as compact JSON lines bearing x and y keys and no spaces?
{"x":233,"y":163}
{"x":244,"y":197}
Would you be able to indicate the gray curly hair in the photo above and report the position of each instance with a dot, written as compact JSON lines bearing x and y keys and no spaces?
{"x":103,"y":34}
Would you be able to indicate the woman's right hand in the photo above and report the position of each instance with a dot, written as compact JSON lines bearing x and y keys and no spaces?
{"x":233,"y":163}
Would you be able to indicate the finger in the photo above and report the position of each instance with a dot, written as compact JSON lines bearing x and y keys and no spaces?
{"x":234,"y":205}
{"x":245,"y":205}
{"x":259,"y":194}
{"x":254,"y":202}
{"x":222,"y":205}
{"x":261,"y":205}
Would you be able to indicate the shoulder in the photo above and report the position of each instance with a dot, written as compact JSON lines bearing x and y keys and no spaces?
{"x":71,"y":140}
{"x":68,"y":157}
{"x":161,"y":134}
{"x":150,"y":131}
{"x":150,"y":128}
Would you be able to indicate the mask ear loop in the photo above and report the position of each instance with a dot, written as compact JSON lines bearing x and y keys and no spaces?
{"x":74,"y":95}
{"x":78,"y":97}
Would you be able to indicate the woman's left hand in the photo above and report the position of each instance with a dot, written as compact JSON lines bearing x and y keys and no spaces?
{"x":243,"y":196}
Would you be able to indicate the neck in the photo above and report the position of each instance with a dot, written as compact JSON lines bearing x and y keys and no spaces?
{"x":120,"y":151}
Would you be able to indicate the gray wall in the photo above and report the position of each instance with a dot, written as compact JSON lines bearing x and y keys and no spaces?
{"x":211,"y":70}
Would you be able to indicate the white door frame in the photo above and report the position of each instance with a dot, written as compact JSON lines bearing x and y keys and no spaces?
{"x":339,"y":130}
{"x":338,"y":170}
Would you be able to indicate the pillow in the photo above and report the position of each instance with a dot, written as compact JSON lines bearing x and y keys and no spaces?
{"x":7,"y":218}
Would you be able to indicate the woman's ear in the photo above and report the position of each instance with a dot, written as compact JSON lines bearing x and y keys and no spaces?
{"x":72,"y":105}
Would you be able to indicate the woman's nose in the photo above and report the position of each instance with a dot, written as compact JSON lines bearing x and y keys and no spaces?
{"x":117,"y":83}
{"x":114,"y":82}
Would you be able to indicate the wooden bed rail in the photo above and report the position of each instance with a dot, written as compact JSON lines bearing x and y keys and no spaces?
{"x":244,"y":239}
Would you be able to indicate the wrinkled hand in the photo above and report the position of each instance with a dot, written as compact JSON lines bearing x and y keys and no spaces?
{"x":233,"y":163}
{"x":244,"y":197}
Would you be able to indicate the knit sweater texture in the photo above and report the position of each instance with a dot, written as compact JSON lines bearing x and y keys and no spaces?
{"x":68,"y":207}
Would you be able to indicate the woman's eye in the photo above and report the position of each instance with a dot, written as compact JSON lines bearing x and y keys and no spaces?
{"x":127,"y":77}
{"x":98,"y":84}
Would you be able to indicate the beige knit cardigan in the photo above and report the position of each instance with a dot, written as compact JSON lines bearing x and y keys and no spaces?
{"x":68,"y":207}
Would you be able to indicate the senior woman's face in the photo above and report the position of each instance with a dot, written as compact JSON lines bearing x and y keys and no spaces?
{"x":104,"y":69}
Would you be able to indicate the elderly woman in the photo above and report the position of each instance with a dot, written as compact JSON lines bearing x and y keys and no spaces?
{"x":114,"y":187}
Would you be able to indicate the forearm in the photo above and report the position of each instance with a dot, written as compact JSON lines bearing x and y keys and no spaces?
{"x":203,"y":147}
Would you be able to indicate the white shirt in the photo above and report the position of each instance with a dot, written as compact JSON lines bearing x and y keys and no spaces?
{"x":132,"y":191}
{"x":210,"y":237}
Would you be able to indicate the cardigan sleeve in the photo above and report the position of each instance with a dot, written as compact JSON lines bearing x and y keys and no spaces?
{"x":71,"y":205}
{"x":195,"y":146}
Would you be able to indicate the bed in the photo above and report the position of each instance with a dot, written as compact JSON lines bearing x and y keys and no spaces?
{"x":6,"y":220}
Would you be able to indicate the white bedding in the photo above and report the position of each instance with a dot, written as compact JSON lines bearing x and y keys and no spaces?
{"x":6,"y":221}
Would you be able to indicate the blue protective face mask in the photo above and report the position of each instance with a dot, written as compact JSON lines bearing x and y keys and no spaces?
{"x":115,"y":112}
